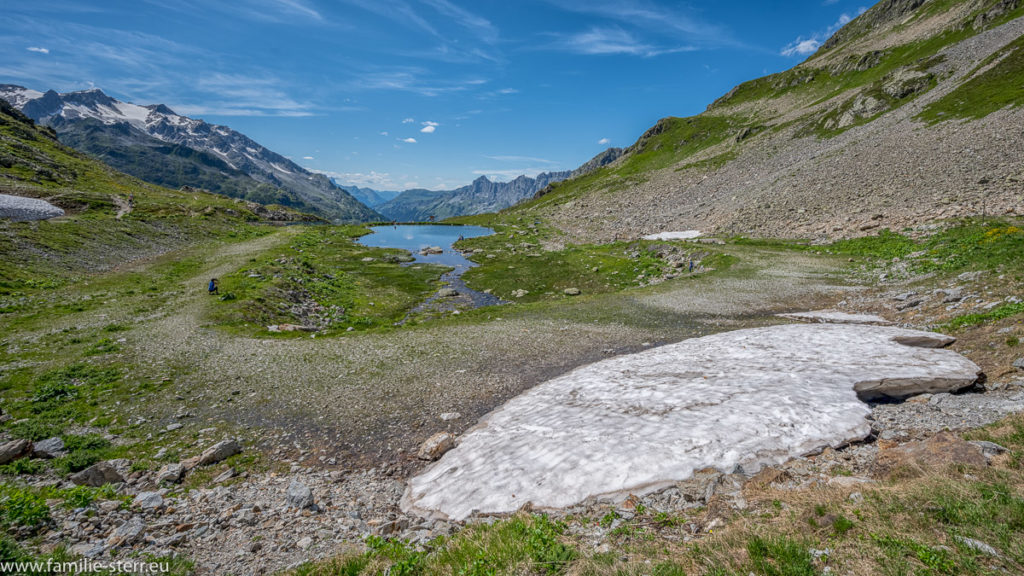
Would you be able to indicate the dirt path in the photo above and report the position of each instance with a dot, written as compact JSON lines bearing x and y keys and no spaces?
{"x":370,"y":398}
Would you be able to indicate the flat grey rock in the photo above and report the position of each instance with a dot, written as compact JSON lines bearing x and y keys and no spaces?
{"x":640,"y":422}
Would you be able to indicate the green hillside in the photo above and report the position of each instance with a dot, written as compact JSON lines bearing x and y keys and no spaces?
{"x":91,"y":237}
{"x":859,"y":76}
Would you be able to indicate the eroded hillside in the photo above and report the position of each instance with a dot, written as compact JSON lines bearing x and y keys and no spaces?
{"x":908,"y":114}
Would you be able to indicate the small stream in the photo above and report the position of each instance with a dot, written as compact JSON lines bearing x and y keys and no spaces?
{"x":432,"y":244}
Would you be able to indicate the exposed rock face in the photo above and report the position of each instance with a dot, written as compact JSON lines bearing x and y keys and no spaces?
{"x":97,"y":475}
{"x":13,"y":450}
{"x":745,"y":398}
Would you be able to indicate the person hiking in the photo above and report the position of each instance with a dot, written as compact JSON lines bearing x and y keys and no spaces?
{"x":214,"y":285}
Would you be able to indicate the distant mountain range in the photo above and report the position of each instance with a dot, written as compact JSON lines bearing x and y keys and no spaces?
{"x":479,"y":197}
{"x":368,"y":196}
{"x":155,"y":144}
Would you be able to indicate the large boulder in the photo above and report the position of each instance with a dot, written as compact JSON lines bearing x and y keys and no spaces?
{"x":13,"y":450}
{"x":436,"y":446}
{"x":219,"y":451}
{"x":97,"y":475}
{"x":49,"y":448}
{"x":171,"y":473}
{"x":299,"y":495}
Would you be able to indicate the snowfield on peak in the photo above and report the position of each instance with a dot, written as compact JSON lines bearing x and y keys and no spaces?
{"x":640,"y":422}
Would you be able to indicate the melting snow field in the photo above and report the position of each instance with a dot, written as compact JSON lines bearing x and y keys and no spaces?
{"x":640,"y":422}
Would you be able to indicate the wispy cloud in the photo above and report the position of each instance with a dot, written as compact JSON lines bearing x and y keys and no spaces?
{"x":478,"y":25}
{"x":308,"y":158}
{"x":371,"y":179}
{"x":521,"y":159}
{"x":604,"y":141}
{"x":38,"y":49}
{"x":807,"y":45}
{"x":412,"y":79}
{"x":504,"y":175}
{"x":407,"y":140}
{"x":408,"y":121}
{"x":643,"y":28}
{"x":294,"y":12}
{"x":429,"y":127}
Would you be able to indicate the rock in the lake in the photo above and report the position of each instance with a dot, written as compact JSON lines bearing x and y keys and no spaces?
{"x":13,"y":450}
{"x":219,"y":451}
{"x":447,"y":292}
{"x":436,"y":446}
{"x":148,"y":501}
{"x":49,"y":448}
{"x":299,"y":495}
{"x":171,"y":473}
{"x":97,"y":475}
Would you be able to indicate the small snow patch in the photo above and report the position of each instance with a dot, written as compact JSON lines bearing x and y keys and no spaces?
{"x":678,"y":235}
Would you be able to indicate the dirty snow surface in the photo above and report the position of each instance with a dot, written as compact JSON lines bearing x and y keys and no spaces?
{"x":680,"y":235}
{"x":837,"y":317}
{"x":21,"y":209}
{"x":640,"y":422}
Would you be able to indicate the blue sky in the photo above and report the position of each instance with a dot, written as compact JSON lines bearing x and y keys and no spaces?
{"x":395,"y":94}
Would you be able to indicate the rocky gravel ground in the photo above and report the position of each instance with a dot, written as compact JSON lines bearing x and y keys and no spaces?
{"x":339,"y":420}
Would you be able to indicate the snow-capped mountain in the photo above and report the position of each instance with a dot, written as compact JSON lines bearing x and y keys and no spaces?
{"x":130,"y":137}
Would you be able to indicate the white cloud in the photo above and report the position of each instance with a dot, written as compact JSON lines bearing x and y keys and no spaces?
{"x":521,"y":159}
{"x":508,"y":91}
{"x":806,"y":46}
{"x":428,"y":129}
{"x":376,"y":180}
{"x":384,"y":133}
{"x":408,"y":121}
{"x":801,"y":47}
{"x":38,"y":49}
{"x":604,"y":141}
{"x":308,"y":158}
{"x":408,"y":140}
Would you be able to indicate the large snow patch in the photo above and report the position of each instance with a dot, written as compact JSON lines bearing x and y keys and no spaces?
{"x":640,"y":422}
